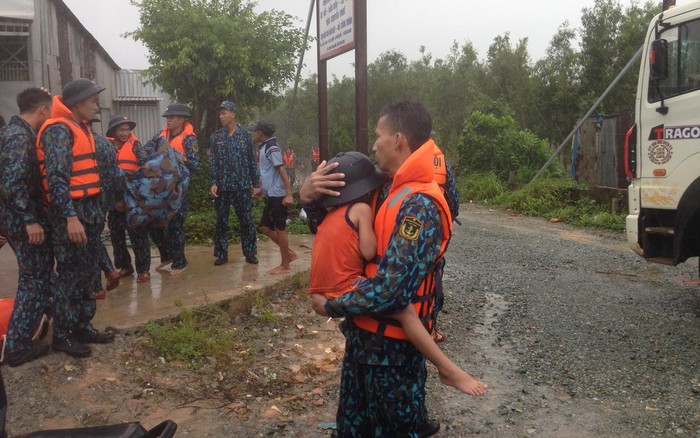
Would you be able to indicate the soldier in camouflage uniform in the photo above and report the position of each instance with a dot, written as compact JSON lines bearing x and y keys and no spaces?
{"x":66,"y":153}
{"x":235,"y":180}
{"x":24,"y":221}
{"x":382,"y":390}
{"x":131,"y":155}
{"x":110,"y":183}
{"x":180,"y":134}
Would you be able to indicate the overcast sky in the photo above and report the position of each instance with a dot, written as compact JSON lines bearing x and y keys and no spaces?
{"x":402,"y":25}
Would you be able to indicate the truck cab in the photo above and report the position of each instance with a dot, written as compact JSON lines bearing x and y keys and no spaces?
{"x":663,"y":147}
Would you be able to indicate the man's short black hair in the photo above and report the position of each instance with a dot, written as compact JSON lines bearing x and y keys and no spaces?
{"x":410,"y":118}
{"x":31,"y":99}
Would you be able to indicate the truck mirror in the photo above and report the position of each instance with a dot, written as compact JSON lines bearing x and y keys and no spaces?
{"x":659,"y":60}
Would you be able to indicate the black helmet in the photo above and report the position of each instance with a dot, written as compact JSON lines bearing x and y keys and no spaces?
{"x":177,"y":109}
{"x":78,"y":90}
{"x":361,"y":177}
{"x":116,"y":121}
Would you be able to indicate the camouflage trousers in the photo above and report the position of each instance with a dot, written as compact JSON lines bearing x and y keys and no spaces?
{"x":76,"y":266}
{"x":104,"y":263}
{"x":242,"y":202}
{"x":381,"y":401}
{"x":33,"y":290}
{"x":139,"y":243}
{"x":175,"y":237}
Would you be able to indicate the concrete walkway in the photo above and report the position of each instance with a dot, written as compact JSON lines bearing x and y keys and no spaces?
{"x":134,"y":304}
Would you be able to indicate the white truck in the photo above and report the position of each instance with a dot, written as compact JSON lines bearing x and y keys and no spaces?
{"x":662,"y":150}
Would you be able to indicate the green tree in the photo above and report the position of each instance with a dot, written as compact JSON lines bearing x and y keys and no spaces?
{"x":507,"y":76}
{"x":556,"y":87}
{"x":204,"y":51}
{"x":495,"y":144}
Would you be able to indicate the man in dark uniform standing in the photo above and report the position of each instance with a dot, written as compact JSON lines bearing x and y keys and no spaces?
{"x":235,"y":180}
{"x":66,"y":152}
{"x":24,"y":221}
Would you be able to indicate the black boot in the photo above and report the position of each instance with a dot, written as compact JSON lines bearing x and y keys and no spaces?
{"x":90,"y":335}
{"x":19,"y":357}
{"x":71,"y":347}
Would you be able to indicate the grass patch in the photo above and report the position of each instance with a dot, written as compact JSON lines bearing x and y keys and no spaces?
{"x":545,"y":197}
{"x":480,"y":187}
{"x":196,"y":335}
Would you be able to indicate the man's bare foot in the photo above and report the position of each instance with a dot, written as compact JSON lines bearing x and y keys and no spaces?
{"x":464,"y":382}
{"x":177,"y":272}
{"x":292,"y":256}
{"x":143,"y":277}
{"x":279,"y":271}
{"x":164,"y":264}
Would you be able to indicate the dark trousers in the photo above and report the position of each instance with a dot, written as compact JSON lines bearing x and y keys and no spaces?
{"x":104,"y":263}
{"x":175,"y":236}
{"x":33,"y":290}
{"x":139,"y":243}
{"x":160,"y":239}
{"x":242,"y":202}
{"x":381,"y":401}
{"x":76,"y":265}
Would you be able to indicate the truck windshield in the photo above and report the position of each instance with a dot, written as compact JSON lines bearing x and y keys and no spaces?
{"x":683,"y":62}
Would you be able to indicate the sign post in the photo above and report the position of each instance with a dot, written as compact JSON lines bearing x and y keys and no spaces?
{"x":342,"y":26}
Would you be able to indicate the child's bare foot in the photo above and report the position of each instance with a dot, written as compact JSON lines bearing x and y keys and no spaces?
{"x":177,"y":272}
{"x":464,"y":382}
{"x":292,"y":256}
{"x":164,"y":264}
{"x":143,"y":277}
{"x":279,"y":271}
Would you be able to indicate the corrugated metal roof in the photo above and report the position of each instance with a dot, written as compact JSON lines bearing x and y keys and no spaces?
{"x":131,"y":87}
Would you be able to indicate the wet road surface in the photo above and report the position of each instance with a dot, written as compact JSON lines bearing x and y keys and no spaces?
{"x":133,"y":304}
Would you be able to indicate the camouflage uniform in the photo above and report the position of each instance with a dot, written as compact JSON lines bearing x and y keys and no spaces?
{"x":173,"y":238}
{"x":21,"y":204}
{"x":234,"y":171}
{"x":74,"y":304}
{"x":118,"y":226}
{"x":382,"y":391}
{"x":110,"y":183}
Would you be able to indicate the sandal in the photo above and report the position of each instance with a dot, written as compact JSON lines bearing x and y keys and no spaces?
{"x":143,"y":277}
{"x":113,"y":280}
{"x":125,"y":272}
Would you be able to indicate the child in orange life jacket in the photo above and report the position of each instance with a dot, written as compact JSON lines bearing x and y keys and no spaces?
{"x":345,"y":239}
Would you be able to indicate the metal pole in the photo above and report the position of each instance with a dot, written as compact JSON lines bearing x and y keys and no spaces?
{"x":612,"y":85}
{"x":300,"y":63}
{"x":322,"y":94}
{"x":361,"y":134}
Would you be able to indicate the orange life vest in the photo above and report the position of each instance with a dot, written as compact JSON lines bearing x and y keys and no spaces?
{"x":440,"y":166}
{"x":336,"y":261}
{"x":288,"y":157}
{"x":178,"y":141}
{"x":414,"y":176}
{"x":126,"y":158}
{"x":84,"y":180}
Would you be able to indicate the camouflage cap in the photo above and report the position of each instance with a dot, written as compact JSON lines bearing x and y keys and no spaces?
{"x":227,"y":104}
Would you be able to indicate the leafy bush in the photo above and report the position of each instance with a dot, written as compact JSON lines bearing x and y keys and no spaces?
{"x":492,"y":143}
{"x":197,"y":335}
{"x":561,"y":198}
{"x":480,"y":187}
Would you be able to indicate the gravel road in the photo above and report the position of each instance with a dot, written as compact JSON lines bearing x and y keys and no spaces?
{"x":576,"y":335}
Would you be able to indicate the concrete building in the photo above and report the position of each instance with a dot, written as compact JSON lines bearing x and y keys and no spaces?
{"x":42,"y":43}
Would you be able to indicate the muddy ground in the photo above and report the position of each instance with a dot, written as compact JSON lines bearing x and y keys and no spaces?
{"x":575,"y":335}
